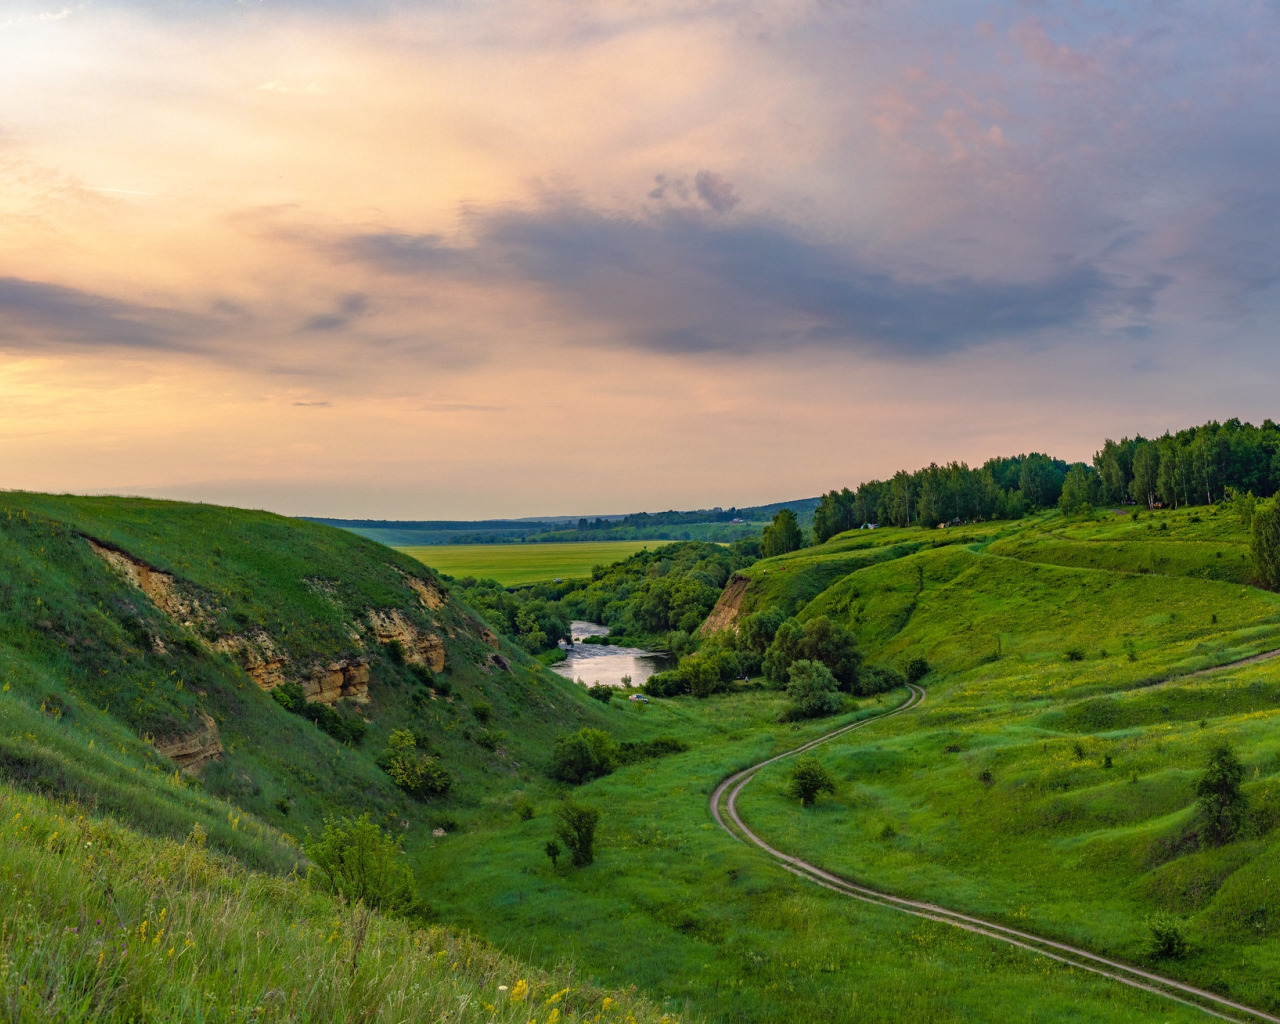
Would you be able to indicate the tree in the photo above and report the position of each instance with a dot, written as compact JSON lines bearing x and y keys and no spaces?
{"x":553,"y":850}
{"x":834,"y":646}
{"x":758,"y":630}
{"x":782,"y":535}
{"x":357,"y":860}
{"x":834,"y":514}
{"x":576,"y":827}
{"x":585,"y":755}
{"x":786,"y":647}
{"x":1080,"y":488}
{"x":1264,"y":537}
{"x":808,"y":778}
{"x":1222,"y":804}
{"x":1146,"y":472}
{"x":813,"y":691}
{"x":917,"y":669}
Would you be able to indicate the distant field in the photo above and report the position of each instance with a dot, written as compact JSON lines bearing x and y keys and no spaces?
{"x":514,"y":564}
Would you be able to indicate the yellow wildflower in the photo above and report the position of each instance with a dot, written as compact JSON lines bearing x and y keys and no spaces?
{"x":553,"y":1016}
{"x":520,"y":991}
{"x":608,"y":1003}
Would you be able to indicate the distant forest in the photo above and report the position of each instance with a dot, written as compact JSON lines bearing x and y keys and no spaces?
{"x":1196,"y":466}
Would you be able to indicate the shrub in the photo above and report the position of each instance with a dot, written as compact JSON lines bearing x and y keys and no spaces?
{"x":877,"y":679}
{"x":1075,"y":654}
{"x":602,"y":693}
{"x":631,"y":751}
{"x":524,"y":809}
{"x":483,"y":711}
{"x":807,"y":779}
{"x":665,"y":684}
{"x":357,"y":860}
{"x":418,"y":774}
{"x":585,"y":755}
{"x":1222,"y":804}
{"x":1166,"y":941}
{"x":812,"y":691}
{"x":917,"y":669}
{"x":576,"y":827}
{"x":344,"y":723}
{"x":553,"y":851}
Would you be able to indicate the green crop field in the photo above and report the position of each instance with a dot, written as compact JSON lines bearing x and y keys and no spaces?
{"x":513,"y":565}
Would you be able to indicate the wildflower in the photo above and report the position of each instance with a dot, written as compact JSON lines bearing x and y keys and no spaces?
{"x":553,"y":1016}
{"x":555,"y":998}
{"x":608,"y":1003}
{"x":502,"y":988}
{"x":520,"y":991}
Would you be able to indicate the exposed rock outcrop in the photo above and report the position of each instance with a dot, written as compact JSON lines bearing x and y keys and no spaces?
{"x":725,"y":614}
{"x":258,"y":656}
{"x":328,"y":684}
{"x":193,"y":750}
{"x":430,"y":597}
{"x":419,"y":646}
{"x":159,"y":586}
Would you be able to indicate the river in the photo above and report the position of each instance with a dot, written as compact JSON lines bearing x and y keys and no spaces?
{"x":604,"y":663}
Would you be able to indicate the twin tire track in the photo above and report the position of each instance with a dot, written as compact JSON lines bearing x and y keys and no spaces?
{"x":725,"y":811}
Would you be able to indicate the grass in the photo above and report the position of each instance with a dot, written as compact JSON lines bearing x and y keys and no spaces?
{"x":994,"y":797}
{"x":515,"y":565}
{"x":77,"y":638}
{"x":98,"y":923}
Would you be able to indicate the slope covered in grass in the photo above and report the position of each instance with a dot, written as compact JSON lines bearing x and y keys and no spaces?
{"x":99,"y":923}
{"x":142,"y":626}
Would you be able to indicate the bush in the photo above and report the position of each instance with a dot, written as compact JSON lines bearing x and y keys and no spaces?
{"x":553,"y":851}
{"x":576,"y":827}
{"x":483,"y":711}
{"x":819,"y":640}
{"x":1166,"y":941}
{"x":665,"y":684}
{"x":812,"y":691}
{"x":344,"y":724}
{"x":419,"y":775}
{"x":631,"y":751}
{"x":876,"y":679}
{"x":1223,"y":806}
{"x":602,"y":693}
{"x":357,"y":860}
{"x":917,"y":669}
{"x":808,"y":778}
{"x":585,"y":755}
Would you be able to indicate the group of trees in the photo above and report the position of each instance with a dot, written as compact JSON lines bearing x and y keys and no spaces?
{"x":531,"y":617}
{"x":1196,"y":466}
{"x":1002,"y":489}
{"x":654,"y":593}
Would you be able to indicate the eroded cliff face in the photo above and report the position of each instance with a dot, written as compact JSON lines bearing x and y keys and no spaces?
{"x":347,"y":679}
{"x":420,"y":646}
{"x":159,"y":586}
{"x":195,"y":749}
{"x":430,"y":597}
{"x":725,"y":614}
{"x":258,"y":656}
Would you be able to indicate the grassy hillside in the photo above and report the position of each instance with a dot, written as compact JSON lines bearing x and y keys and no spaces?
{"x":237,"y":602}
{"x":102,"y":924}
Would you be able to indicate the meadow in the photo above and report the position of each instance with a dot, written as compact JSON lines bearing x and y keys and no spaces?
{"x":515,"y":565}
{"x":1047,"y":782}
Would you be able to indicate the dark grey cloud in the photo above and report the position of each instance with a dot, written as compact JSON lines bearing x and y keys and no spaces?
{"x":715,"y":190}
{"x":688,"y":282}
{"x":350,"y":307}
{"x":38,"y":315}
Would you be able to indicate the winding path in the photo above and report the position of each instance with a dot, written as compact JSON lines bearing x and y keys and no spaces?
{"x":725,"y":811}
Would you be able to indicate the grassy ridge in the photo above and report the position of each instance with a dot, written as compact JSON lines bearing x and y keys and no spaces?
{"x":515,"y":565}
{"x":99,"y":923}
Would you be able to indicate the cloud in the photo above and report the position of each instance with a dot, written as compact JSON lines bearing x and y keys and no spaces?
{"x":348,"y":309}
{"x":682,"y":282}
{"x":715,"y":191}
{"x":38,"y":315}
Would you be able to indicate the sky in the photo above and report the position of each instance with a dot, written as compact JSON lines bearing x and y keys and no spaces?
{"x":466,"y":260}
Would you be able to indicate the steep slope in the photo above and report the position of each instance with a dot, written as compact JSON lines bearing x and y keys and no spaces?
{"x":151,"y":635}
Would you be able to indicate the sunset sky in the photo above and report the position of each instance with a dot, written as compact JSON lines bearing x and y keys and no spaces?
{"x":459,"y":260}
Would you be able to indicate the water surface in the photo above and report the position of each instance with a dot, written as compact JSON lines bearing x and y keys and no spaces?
{"x":606,"y":664}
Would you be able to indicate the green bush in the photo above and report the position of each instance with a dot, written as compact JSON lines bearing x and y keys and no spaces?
{"x":418,"y":774}
{"x":602,"y":693}
{"x":1166,"y":941}
{"x":819,"y":640}
{"x":807,"y":779}
{"x":812,"y":691}
{"x":665,"y":684}
{"x":917,"y":669}
{"x":343,"y":723}
{"x":632,"y":750}
{"x":576,"y":827}
{"x":354,"y":858}
{"x":1223,"y":806}
{"x":585,"y":755}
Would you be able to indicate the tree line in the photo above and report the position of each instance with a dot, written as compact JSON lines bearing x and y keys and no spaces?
{"x":1196,"y":466}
